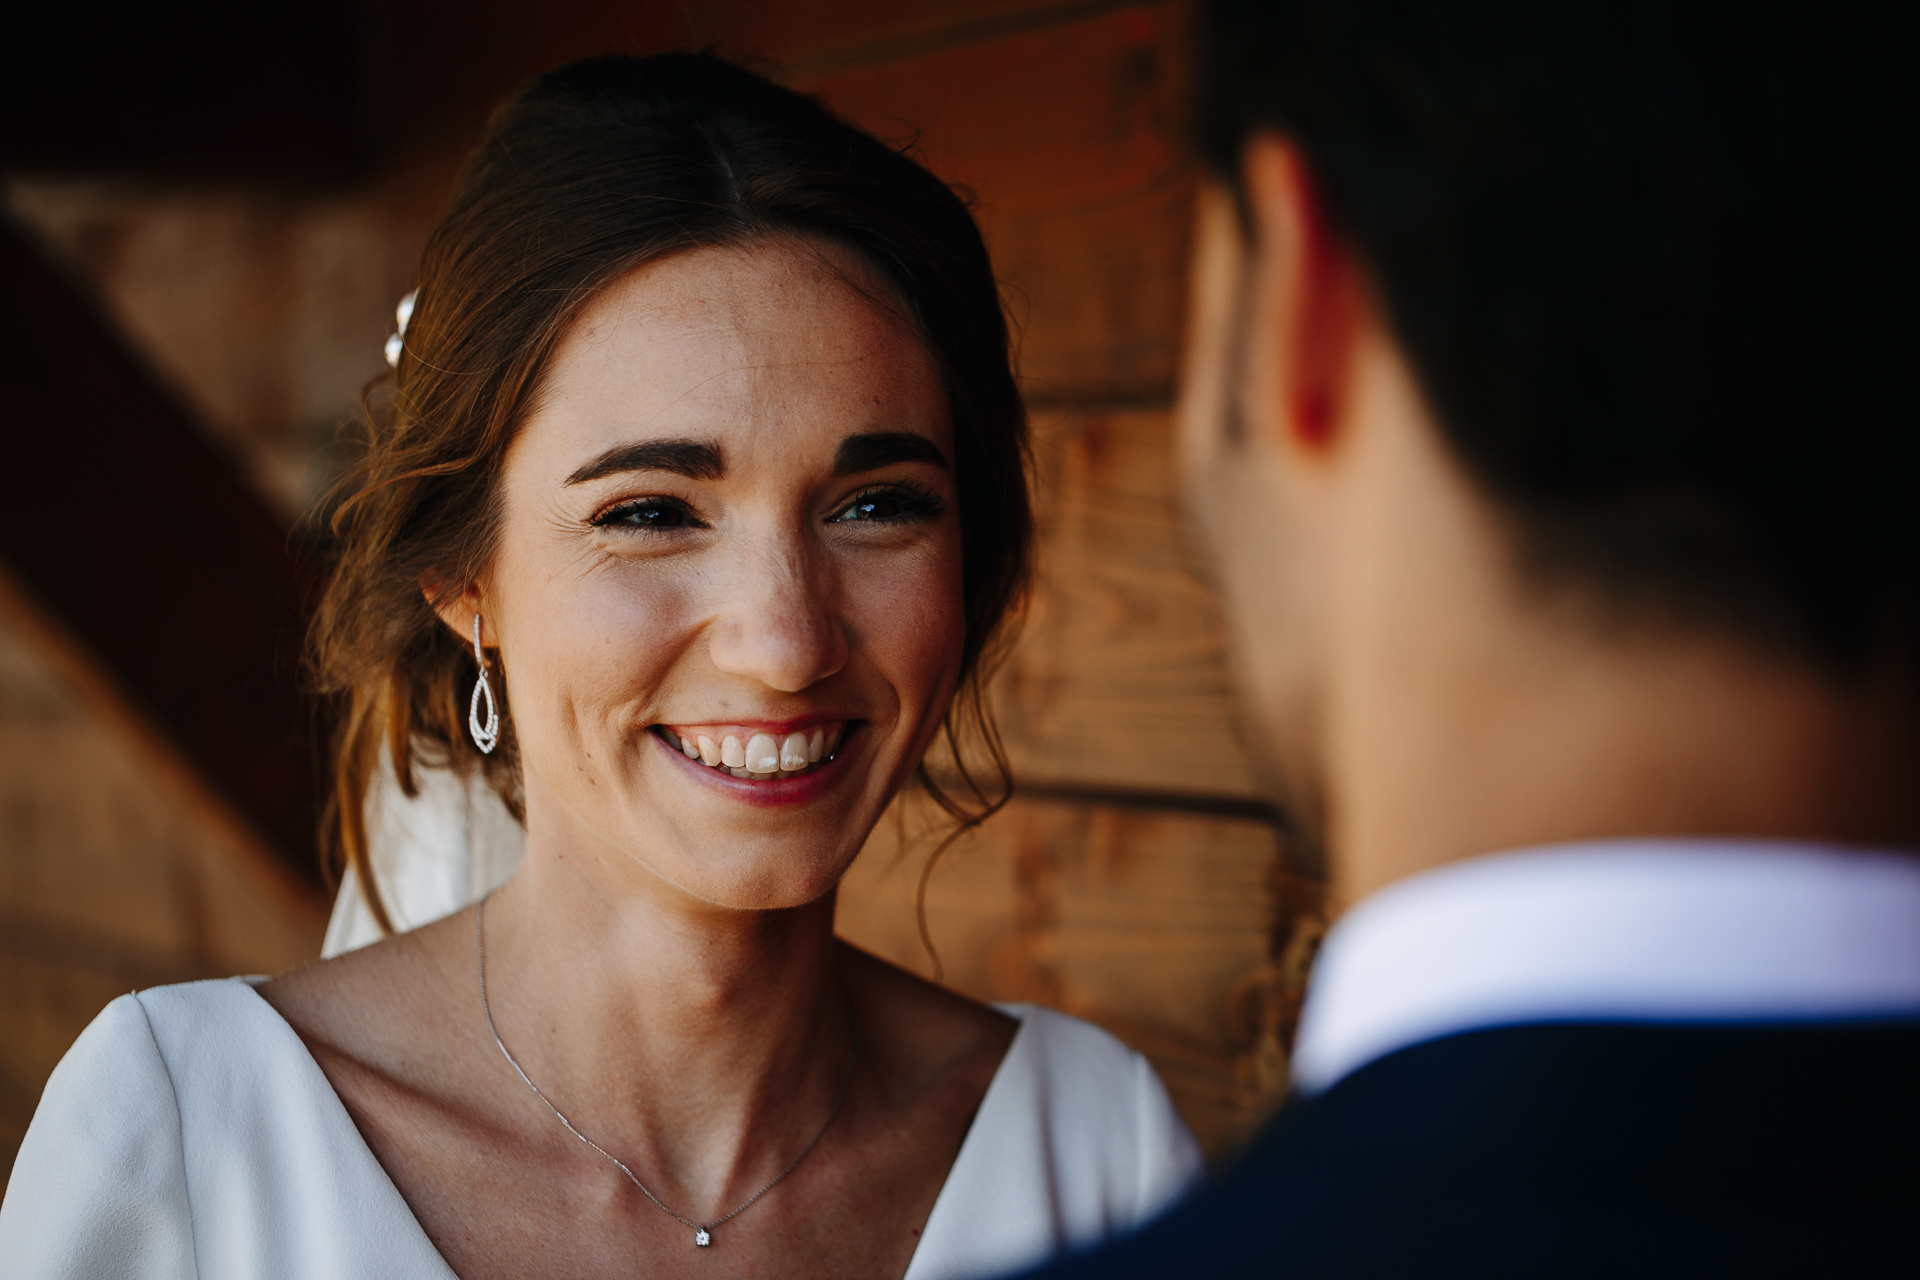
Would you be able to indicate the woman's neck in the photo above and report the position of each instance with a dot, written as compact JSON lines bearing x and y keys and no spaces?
{"x":706,"y":1041}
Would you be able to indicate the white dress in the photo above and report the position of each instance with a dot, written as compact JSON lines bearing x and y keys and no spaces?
{"x":189,"y":1133}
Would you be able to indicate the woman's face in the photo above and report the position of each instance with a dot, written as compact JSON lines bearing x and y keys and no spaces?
{"x":727,"y":587}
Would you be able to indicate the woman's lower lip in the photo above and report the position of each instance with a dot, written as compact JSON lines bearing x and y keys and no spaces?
{"x":775,"y":791}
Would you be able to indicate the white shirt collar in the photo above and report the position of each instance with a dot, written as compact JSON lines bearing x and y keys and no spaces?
{"x":1630,"y":929}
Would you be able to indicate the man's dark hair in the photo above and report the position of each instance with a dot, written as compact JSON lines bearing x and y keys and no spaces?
{"x":1651,"y":267}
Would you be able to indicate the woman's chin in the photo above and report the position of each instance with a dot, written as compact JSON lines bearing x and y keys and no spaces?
{"x":745,"y":844}
{"x":744,"y":865}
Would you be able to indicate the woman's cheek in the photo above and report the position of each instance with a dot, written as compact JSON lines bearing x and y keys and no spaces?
{"x":911,"y":616}
{"x":602,"y":650}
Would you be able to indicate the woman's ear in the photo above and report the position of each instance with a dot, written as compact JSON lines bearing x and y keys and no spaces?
{"x":457,"y":608}
{"x":1306,"y":299}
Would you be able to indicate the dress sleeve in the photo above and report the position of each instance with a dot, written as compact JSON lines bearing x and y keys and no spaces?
{"x":1171,"y":1165}
{"x":99,"y":1188}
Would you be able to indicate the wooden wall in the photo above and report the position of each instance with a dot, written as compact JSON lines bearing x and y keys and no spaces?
{"x":1137,"y":880}
{"x":118,"y":869}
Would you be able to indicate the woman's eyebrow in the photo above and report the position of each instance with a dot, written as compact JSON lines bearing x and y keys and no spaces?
{"x":694,"y":459}
{"x":871,"y":450}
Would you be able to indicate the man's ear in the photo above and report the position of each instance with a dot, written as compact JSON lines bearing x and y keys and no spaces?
{"x":1306,"y":295}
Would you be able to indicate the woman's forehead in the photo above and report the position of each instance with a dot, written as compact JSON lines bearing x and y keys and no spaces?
{"x":773,"y":345}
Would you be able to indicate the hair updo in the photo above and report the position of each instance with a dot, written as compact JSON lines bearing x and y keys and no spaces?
{"x":587,"y":173}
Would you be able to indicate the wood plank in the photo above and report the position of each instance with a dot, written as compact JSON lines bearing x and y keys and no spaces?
{"x":107,"y":830}
{"x":1120,"y":675}
{"x":1071,"y":138}
{"x":810,"y":38}
{"x":461,"y":57}
{"x":1186,"y":936}
{"x":263,"y":312}
{"x":122,"y":520}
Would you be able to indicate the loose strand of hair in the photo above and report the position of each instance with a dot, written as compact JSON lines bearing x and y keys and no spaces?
{"x":969,"y":706}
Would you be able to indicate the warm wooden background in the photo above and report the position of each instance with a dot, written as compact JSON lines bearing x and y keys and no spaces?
{"x":118,"y":869}
{"x":1136,"y":881}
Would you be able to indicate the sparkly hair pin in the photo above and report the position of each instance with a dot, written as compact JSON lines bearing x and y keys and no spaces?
{"x":396,"y":341}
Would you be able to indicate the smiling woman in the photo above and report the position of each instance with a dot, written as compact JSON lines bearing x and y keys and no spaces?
{"x":701,"y":501}
{"x":729,"y":524}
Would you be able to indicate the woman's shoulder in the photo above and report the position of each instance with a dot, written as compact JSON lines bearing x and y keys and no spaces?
{"x":100,"y":1181}
{"x":192,"y":1038}
{"x":931,"y":1039}
{"x":1053,"y":1086}
{"x":1099,"y":1105}
{"x":104,"y":1146}
{"x":152,"y":1056}
{"x":154,"y":1045}
{"x":194,"y":1016}
{"x":178,"y":1108}
{"x":1060,"y":1047}
{"x":1074,"y":1143}
{"x":398,"y":981}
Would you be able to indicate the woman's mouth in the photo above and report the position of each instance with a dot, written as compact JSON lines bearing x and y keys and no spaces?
{"x":756,"y":754}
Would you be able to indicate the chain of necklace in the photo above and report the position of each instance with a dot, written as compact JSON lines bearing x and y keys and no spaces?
{"x":702,"y":1232}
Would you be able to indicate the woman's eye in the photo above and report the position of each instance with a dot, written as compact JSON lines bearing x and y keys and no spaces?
{"x":891,"y":506}
{"x":651,"y":513}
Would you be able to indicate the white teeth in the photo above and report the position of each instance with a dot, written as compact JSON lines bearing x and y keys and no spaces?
{"x":763,"y":753}
{"x":793,"y":752}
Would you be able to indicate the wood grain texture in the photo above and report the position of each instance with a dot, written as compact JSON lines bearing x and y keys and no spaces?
{"x":1183,"y":935}
{"x":462,"y":56}
{"x":1120,"y":675}
{"x":196,"y":618}
{"x":1070,"y":139}
{"x":813,"y":37}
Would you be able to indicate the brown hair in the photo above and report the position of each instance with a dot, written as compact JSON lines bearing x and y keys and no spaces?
{"x":587,"y":173}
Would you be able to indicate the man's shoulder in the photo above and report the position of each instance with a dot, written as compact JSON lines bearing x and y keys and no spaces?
{"x":1585,"y":1094}
{"x":1572,"y":1149}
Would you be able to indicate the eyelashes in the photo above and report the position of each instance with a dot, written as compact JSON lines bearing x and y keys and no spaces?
{"x":649,"y":513}
{"x":901,"y":502}
{"x":895,"y":503}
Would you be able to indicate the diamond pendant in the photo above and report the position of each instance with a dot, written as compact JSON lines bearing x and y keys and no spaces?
{"x":701,"y":1238}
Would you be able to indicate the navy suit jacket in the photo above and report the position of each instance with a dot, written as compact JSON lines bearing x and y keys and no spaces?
{"x":1575,"y":1149}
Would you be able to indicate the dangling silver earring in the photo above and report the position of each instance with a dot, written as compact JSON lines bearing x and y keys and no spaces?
{"x":485,"y":736}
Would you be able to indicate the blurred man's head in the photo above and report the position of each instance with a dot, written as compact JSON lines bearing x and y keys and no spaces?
{"x":1528,"y":333}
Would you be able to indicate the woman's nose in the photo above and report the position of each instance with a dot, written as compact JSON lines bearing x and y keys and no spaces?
{"x":779,"y":623}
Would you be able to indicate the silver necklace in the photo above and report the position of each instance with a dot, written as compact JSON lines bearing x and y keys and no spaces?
{"x":702,"y":1232}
